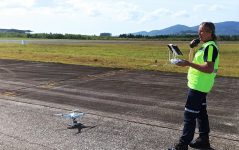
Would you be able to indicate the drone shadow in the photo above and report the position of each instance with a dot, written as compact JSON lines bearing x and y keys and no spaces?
{"x":81,"y":126}
{"x":208,"y":149}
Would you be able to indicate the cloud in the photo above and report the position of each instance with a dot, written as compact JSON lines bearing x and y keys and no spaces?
{"x":103,"y":14}
{"x":120,"y":11}
{"x":104,"y":10}
{"x":199,"y":7}
{"x":216,"y":7}
{"x":117,"y":11}
{"x":14,"y":12}
{"x":155,"y":15}
{"x":16,"y":3}
{"x":180,"y":14}
{"x":203,"y":7}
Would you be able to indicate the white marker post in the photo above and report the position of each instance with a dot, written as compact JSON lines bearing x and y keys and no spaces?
{"x":23,"y":42}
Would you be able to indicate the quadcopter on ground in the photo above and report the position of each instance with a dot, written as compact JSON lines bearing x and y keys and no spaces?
{"x":74,"y":115}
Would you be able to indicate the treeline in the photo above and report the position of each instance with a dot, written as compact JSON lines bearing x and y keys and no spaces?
{"x":178,"y":37}
{"x":60,"y":36}
{"x":120,"y":37}
{"x":12,"y":35}
{"x":159,"y":37}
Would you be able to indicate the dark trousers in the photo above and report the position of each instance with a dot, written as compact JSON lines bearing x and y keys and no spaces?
{"x":195,"y":110}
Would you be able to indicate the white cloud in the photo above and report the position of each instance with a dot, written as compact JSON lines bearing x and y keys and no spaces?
{"x":117,"y":11}
{"x":14,"y":12}
{"x":203,"y":7}
{"x":180,"y":14}
{"x":155,"y":15}
{"x":216,"y":7}
{"x":199,"y":7}
{"x":93,"y":16}
{"x":16,"y":3}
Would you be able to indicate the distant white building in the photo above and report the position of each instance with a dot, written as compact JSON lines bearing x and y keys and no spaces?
{"x":105,"y":34}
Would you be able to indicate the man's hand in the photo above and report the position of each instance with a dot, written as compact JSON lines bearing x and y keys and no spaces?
{"x":207,"y":67}
{"x":183,"y":63}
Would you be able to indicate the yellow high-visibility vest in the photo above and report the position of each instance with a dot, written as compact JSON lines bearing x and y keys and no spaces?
{"x":198,"y":80}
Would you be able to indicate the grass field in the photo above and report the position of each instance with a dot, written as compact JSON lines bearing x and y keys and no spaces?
{"x":143,"y":55}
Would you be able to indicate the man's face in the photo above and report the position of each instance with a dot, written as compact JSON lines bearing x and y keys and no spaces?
{"x":204,"y":35}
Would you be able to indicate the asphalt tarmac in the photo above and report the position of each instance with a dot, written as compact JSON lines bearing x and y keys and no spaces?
{"x":125,"y":109}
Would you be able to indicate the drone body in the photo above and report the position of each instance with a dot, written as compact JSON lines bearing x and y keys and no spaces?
{"x":73,"y":115}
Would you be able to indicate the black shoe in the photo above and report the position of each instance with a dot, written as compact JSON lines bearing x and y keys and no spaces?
{"x":179,"y":146}
{"x":200,"y":143}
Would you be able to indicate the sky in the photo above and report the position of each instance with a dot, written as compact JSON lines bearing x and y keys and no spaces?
{"x":92,"y":17}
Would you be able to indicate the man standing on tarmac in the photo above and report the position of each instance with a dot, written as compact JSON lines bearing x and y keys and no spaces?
{"x":201,"y":74}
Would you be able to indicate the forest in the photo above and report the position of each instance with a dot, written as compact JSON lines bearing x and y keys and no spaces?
{"x":176,"y":37}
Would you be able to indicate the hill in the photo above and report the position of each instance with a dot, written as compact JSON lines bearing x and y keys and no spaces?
{"x":222,"y":28}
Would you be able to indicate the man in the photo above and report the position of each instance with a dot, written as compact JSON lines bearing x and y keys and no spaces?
{"x":201,"y":74}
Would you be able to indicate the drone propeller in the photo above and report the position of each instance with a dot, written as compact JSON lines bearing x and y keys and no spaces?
{"x":58,"y":114}
{"x":75,"y":110}
{"x":72,"y":114}
{"x":72,"y":111}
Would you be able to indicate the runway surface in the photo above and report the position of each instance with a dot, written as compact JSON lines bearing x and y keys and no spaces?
{"x":125,"y":109}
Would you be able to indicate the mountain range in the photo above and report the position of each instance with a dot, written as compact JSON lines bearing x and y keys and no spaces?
{"x":222,"y":28}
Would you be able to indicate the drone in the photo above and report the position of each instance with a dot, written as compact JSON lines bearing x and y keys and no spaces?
{"x":74,"y":115}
